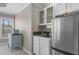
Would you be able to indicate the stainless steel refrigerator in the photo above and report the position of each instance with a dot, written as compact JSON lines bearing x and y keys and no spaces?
{"x":65,"y":35}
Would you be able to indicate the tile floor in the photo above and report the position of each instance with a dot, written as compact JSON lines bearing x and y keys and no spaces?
{"x":4,"y":50}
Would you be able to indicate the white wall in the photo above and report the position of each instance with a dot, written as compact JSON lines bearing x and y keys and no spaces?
{"x":23,"y":23}
{"x":27,"y":21}
{"x":35,"y":17}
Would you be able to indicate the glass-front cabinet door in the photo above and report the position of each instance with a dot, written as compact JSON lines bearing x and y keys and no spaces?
{"x":49,"y":14}
{"x":41,"y":17}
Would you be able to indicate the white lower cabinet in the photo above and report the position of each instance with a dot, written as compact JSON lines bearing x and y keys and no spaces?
{"x":41,"y":45}
{"x":44,"y":46}
{"x":36,"y":45}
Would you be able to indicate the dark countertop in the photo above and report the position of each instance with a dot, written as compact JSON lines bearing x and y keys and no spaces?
{"x":42,"y":34}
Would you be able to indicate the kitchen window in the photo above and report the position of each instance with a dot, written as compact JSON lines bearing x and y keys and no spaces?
{"x":7,"y":25}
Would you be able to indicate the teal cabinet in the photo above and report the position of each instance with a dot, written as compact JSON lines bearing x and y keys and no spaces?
{"x":15,"y":41}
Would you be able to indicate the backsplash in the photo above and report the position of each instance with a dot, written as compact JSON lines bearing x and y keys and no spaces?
{"x":43,"y":28}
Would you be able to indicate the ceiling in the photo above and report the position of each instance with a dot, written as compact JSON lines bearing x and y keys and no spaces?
{"x":14,"y":8}
{"x":42,"y":5}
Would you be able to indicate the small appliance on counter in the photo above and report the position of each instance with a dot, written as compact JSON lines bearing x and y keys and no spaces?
{"x":15,"y":39}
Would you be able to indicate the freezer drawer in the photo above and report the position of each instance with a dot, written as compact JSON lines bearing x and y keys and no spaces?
{"x":59,"y":53}
{"x":56,"y":51}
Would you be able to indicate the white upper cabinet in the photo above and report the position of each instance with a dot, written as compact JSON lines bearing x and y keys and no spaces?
{"x":62,"y":8}
{"x":59,"y":9}
{"x":72,"y":7}
{"x":41,"y":21}
{"x":49,"y":14}
{"x":46,"y":15}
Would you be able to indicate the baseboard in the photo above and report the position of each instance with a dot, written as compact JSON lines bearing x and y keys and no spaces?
{"x":28,"y":52}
